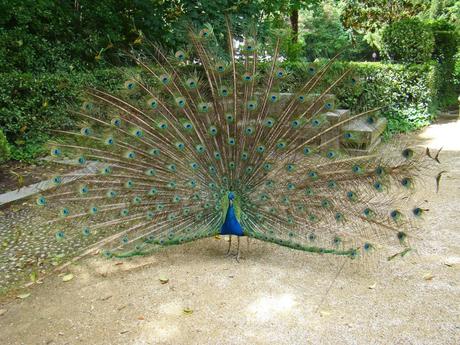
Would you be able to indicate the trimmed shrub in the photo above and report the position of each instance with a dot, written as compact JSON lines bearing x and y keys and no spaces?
{"x":408,"y":41}
{"x":31,"y":105}
{"x":446,"y":46}
{"x":407,"y":93}
{"x":4,"y":148}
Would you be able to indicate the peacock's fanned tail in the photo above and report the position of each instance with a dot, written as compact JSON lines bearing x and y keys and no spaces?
{"x":163,"y":154}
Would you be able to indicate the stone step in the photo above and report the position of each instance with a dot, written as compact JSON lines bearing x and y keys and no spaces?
{"x":331,"y":139}
{"x":366,"y":135}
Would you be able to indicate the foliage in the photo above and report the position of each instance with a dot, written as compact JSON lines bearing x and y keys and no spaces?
{"x":325,"y":36}
{"x":4,"y":148}
{"x":446,"y":40}
{"x":291,"y":9}
{"x":31,"y":105}
{"x":448,"y":10}
{"x":371,"y":15}
{"x":446,"y":46}
{"x":408,"y":40}
{"x":407,"y":93}
{"x":46,"y":35}
{"x":50,"y":50}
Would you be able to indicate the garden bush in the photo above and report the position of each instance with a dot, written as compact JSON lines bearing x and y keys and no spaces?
{"x":446,"y":46}
{"x":408,"y":41}
{"x":407,"y":93}
{"x":31,"y":105}
{"x":325,"y":36}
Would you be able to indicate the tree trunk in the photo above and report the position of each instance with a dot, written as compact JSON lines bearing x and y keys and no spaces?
{"x":295,"y":25}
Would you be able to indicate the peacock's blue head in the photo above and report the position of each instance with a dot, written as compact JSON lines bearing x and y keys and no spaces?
{"x":231,"y":196}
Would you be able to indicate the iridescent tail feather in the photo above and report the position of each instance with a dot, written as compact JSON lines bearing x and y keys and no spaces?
{"x":190,"y":128}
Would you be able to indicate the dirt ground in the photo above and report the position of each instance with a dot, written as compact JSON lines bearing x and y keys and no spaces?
{"x":193,"y":294}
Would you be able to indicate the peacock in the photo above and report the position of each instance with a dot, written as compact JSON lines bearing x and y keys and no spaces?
{"x":211,"y":140}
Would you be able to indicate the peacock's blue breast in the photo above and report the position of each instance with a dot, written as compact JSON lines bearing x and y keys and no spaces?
{"x":231,"y":225}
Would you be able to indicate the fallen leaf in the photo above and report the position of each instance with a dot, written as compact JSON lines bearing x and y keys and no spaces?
{"x":428,"y":276}
{"x":106,"y":298}
{"x":187,"y":311}
{"x":217,"y":237}
{"x":67,"y":277}
{"x":23,"y":295}
{"x":119,"y":263}
{"x":123,"y":332}
{"x":372,"y":286}
{"x":163,"y":280}
{"x":141,"y":318}
{"x":3,"y":311}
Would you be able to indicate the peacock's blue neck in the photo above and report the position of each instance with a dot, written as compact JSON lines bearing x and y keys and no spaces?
{"x":231,"y":225}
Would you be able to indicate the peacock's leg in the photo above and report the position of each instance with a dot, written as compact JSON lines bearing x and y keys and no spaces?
{"x":238,"y":250}
{"x":229,"y":244}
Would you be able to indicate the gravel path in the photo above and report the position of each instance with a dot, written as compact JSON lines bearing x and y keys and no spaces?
{"x":192,"y":294}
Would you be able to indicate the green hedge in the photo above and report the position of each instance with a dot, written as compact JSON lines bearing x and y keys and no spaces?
{"x":408,"y":40}
{"x":446,"y":46}
{"x":30,"y":105}
{"x":408,"y":93}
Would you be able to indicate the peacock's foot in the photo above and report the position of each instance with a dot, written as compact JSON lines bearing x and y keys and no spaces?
{"x":236,"y":255}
